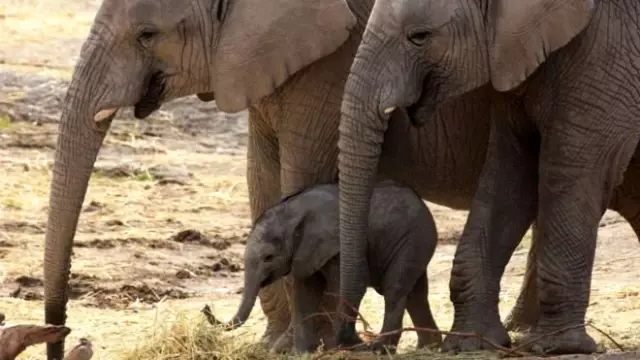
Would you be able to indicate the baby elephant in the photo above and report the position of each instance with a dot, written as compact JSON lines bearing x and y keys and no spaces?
{"x":299,"y":236}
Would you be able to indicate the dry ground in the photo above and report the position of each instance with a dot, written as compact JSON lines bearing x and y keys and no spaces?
{"x":166,"y":216}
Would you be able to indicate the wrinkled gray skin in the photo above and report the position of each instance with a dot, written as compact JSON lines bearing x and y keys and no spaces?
{"x":565,"y":127}
{"x":294,"y":113}
{"x":299,"y":236}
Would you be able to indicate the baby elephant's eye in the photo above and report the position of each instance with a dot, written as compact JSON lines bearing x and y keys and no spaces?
{"x":268,"y":258}
{"x":419,"y":38}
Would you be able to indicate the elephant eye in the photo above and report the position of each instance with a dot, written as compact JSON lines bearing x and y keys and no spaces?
{"x":268,"y":258}
{"x":419,"y":38}
{"x":146,"y":36}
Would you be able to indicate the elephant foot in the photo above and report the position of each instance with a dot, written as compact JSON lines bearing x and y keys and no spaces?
{"x":301,"y":349}
{"x":521,"y":320}
{"x":495,"y":334}
{"x":274,"y":332}
{"x":381,"y":347}
{"x":347,"y":338}
{"x":429,"y":341}
{"x":574,"y":341}
{"x":283,"y":345}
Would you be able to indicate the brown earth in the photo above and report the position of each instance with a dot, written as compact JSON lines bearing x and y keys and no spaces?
{"x":166,"y":216}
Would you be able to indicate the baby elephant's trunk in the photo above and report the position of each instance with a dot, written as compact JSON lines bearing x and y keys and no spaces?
{"x":248,"y":300}
{"x":231,"y":325}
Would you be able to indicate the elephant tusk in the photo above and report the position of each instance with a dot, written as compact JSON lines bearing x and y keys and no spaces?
{"x":389,"y":110}
{"x":103,"y":114}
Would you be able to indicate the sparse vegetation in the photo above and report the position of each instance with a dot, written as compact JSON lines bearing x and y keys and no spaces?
{"x":12,"y":203}
{"x":5,"y":122}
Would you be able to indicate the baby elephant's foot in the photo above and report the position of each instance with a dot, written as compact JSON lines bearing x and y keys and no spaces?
{"x":430,"y":340}
{"x":574,"y":341}
{"x":382,"y":347}
{"x":347,"y":338}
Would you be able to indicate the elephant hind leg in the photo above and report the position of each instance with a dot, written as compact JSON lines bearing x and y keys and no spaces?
{"x":421,"y":316}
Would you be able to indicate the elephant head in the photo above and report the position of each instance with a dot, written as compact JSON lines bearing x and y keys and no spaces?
{"x":141,"y":53}
{"x":287,"y":238}
{"x":415,"y":55}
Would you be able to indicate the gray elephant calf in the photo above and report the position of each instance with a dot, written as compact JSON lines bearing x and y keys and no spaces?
{"x":300,"y":236}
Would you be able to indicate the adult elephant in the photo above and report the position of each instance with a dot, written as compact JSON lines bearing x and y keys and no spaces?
{"x":141,"y":53}
{"x":562,"y":80}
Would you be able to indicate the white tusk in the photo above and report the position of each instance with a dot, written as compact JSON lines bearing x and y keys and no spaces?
{"x":389,"y":110}
{"x":103,"y":114}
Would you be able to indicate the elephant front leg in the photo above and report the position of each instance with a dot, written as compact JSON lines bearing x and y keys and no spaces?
{"x":308,"y":155}
{"x":307,"y":295}
{"x":263,"y":181}
{"x":502,"y":210}
{"x":579,"y":170}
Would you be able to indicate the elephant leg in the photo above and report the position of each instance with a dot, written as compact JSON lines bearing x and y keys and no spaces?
{"x":626,"y":197}
{"x":308,"y":151}
{"x":329,"y":304}
{"x":394,"y":306}
{"x":502,"y":210}
{"x":263,"y":180}
{"x":525,"y":313}
{"x":580,"y":166}
{"x":420,"y":313}
{"x":625,"y":200}
{"x":307,"y":295}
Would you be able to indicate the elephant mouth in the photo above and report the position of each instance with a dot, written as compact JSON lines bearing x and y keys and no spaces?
{"x":152,"y":99}
{"x":270,"y":279}
{"x":423,"y":109}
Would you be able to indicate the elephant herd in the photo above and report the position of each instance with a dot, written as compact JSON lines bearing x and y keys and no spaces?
{"x":526,"y":113}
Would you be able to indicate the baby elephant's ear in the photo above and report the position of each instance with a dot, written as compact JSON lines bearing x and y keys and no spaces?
{"x":315,"y":246}
{"x":525,"y":32}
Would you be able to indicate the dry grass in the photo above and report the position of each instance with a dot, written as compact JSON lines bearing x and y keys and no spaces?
{"x":193,"y":339}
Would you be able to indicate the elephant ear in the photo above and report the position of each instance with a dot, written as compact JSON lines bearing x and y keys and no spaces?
{"x":264,"y":42}
{"x":316,"y":244}
{"x":525,"y":32}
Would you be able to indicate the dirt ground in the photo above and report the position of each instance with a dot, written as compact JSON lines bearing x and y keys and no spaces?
{"x":166,"y":215}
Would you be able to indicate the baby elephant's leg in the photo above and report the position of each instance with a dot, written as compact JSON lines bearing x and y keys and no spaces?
{"x":307,"y":294}
{"x":331,"y":301}
{"x":420,"y":313}
{"x":394,"y":306}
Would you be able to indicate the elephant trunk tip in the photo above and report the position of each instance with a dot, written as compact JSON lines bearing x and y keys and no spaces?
{"x":211,"y":319}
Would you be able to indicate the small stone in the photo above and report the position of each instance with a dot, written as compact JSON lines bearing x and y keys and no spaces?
{"x":184,"y":274}
{"x":115,"y":222}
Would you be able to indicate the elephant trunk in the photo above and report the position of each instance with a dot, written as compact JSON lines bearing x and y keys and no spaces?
{"x":249,"y":296}
{"x":78,"y":143}
{"x":362,"y":129}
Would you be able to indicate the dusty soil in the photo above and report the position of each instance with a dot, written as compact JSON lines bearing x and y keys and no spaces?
{"x":166,"y":215}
